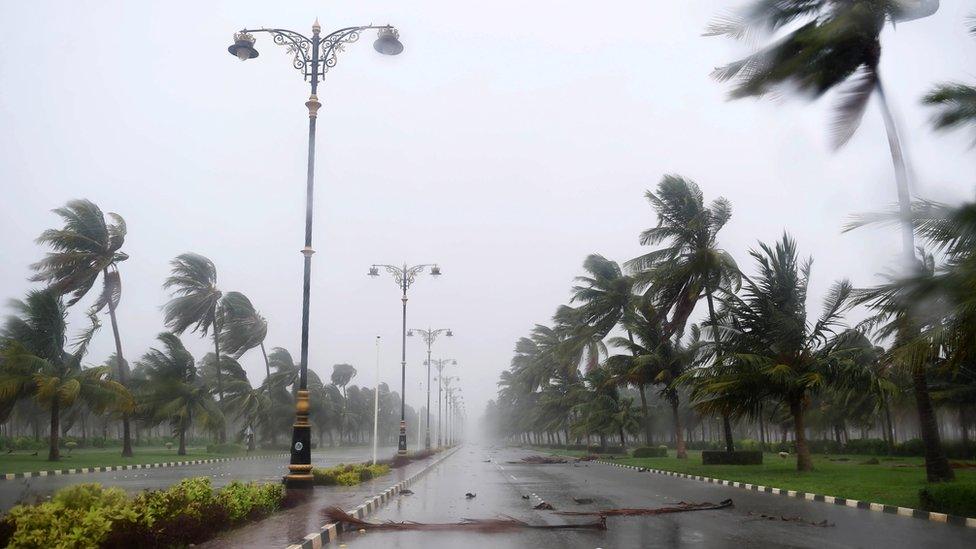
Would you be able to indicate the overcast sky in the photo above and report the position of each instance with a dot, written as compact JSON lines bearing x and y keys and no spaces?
{"x":506,"y":143}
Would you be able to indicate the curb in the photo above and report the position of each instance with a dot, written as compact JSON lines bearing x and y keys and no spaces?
{"x":85,"y":470}
{"x":879,"y":507}
{"x":330,"y":532}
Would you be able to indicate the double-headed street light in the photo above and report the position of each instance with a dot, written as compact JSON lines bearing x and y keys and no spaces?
{"x":404,"y":277}
{"x":440,"y":364}
{"x":313,"y":57}
{"x":430,"y":336}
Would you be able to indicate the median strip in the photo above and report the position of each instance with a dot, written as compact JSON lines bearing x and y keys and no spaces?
{"x":331,"y":531}
{"x":878,"y":507}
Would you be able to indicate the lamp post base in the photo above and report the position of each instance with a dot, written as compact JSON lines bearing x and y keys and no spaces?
{"x":402,"y":441}
{"x":427,"y":440}
{"x":300,"y":469}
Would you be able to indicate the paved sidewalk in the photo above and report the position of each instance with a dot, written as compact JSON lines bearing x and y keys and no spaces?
{"x":291,"y":525}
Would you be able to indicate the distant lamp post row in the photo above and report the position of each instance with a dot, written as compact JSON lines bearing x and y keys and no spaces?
{"x":313,"y":57}
{"x":404,"y":277}
{"x":440,"y":364}
{"x":430,"y":336}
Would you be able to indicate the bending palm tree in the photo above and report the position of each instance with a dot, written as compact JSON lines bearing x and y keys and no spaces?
{"x":691,"y":264}
{"x":839,"y":45}
{"x":174,"y":392}
{"x":35,"y":364}
{"x":195,"y":301}
{"x":242,"y":328}
{"x":84,"y":249}
{"x":606,"y":299}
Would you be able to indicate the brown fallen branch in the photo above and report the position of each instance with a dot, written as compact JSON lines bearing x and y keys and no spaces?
{"x":488,"y":526}
{"x":679,"y":508}
{"x":540,"y":460}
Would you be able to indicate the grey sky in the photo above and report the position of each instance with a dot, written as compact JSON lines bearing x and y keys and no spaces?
{"x":510,"y":140}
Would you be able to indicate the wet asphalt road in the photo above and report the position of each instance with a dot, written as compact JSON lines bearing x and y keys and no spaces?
{"x":440,"y":497}
{"x":269,"y":469}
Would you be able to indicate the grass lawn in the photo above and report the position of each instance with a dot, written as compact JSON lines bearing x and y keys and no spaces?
{"x":21,"y":461}
{"x":894,"y":481}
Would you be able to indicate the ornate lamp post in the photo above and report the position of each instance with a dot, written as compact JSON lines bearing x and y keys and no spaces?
{"x":440,"y":364}
{"x":404,"y":277}
{"x":430,"y":336}
{"x":313,"y":57}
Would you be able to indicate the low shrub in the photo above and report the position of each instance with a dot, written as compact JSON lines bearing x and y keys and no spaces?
{"x":954,"y":499}
{"x":348,"y":475}
{"x":226,"y":448}
{"x":744,"y":457}
{"x":89,"y":516}
{"x":651,"y":452}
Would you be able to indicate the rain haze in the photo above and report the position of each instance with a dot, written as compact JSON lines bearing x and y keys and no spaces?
{"x":508,"y":142}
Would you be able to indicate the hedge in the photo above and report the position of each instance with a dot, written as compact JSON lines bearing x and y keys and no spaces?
{"x":651,"y":452}
{"x":348,"y":475}
{"x":89,"y":516}
{"x":744,"y":457}
{"x":226,"y":448}
{"x":954,"y":499}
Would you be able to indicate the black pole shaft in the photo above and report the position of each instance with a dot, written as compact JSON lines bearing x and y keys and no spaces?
{"x":430,"y":341}
{"x":402,"y":441}
{"x":301,"y":444}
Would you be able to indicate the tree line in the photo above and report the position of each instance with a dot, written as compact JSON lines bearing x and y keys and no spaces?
{"x":43,"y":373}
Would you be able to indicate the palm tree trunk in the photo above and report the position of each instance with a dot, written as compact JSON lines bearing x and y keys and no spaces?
{"x":623,"y":439}
{"x":54,"y":453}
{"x":803,"y":460}
{"x":222,"y":433}
{"x":889,"y":427}
{"x":726,"y":422}
{"x":936,"y":465}
{"x":679,"y":438}
{"x":267,"y":367}
{"x":123,"y":375}
{"x":182,"y":449}
{"x":645,"y":415}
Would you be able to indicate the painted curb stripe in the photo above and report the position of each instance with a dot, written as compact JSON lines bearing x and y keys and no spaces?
{"x":104,"y":469}
{"x":878,"y":507}
{"x":330,"y":532}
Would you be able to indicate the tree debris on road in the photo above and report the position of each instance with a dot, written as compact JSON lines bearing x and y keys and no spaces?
{"x":505,"y":524}
{"x":679,"y":508}
{"x":545,"y":507}
{"x":823,"y":523}
{"x":540,"y":460}
{"x":583,"y":501}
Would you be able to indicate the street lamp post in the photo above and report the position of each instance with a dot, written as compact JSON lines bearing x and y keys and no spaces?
{"x":404,"y":277}
{"x":376,"y":400}
{"x":430,"y":336}
{"x":440,"y":364}
{"x":313,"y":57}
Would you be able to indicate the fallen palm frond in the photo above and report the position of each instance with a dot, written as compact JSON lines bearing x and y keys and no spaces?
{"x":485,"y":526}
{"x":823,"y":523}
{"x":540,"y":460}
{"x":679,"y":508}
{"x":545,"y":507}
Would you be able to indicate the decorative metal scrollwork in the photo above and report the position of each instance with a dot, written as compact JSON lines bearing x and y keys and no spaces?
{"x":335,"y":43}
{"x":298,"y":46}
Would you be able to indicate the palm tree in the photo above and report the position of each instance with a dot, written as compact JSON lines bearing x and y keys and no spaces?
{"x":691,"y":264}
{"x":195,"y":301}
{"x":930,"y":314}
{"x":173,"y":392}
{"x":955,"y":102}
{"x":242,"y":328}
{"x":607,"y":298}
{"x":84,"y":249}
{"x":342,"y":374}
{"x":35,"y":364}
{"x":773,"y":351}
